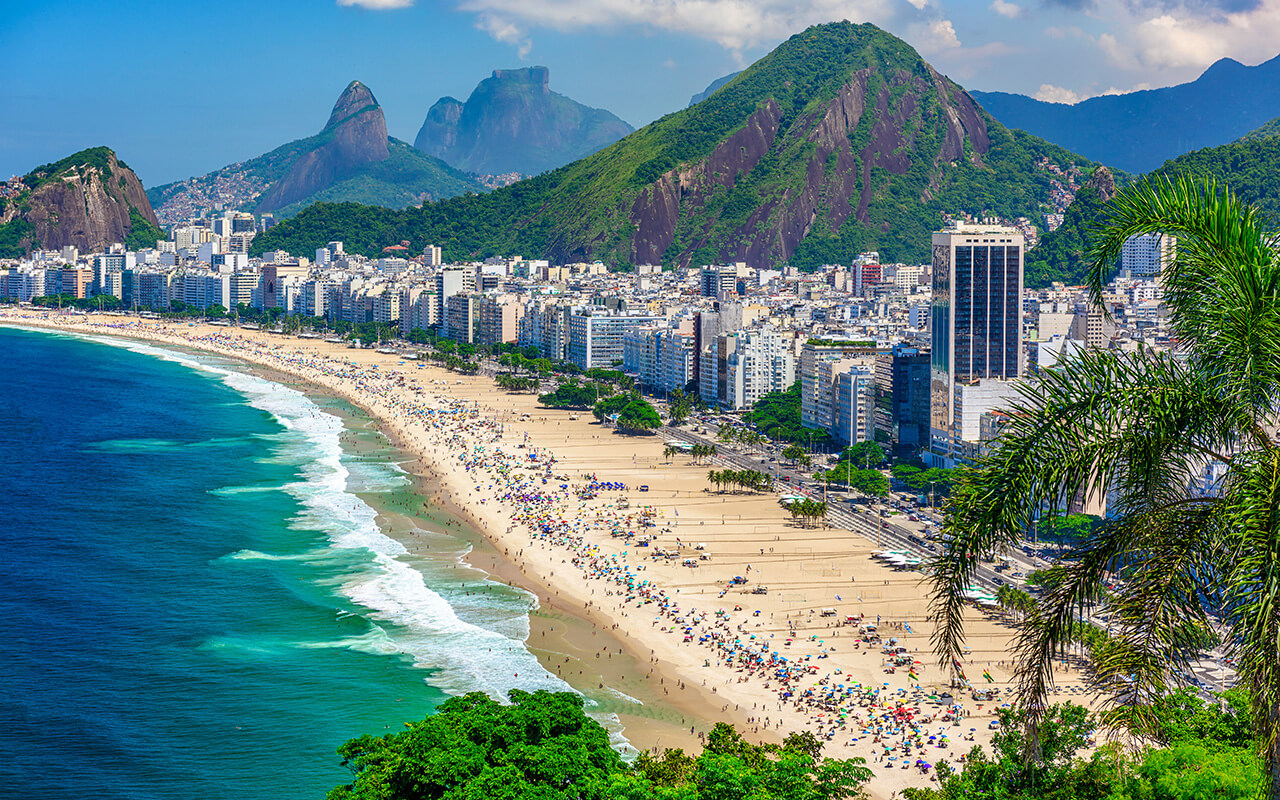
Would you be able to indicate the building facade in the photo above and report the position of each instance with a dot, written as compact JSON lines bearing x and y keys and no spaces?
{"x":976,"y":325}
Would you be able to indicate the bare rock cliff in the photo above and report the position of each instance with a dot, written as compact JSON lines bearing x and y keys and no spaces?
{"x":356,"y":134}
{"x":83,"y":201}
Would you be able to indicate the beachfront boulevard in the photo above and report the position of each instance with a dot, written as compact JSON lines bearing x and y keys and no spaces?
{"x":734,"y":610}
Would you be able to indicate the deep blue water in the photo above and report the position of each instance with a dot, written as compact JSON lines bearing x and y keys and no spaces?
{"x":197,"y":600}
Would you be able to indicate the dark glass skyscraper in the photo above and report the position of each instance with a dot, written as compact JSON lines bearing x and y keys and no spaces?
{"x":976,"y":321}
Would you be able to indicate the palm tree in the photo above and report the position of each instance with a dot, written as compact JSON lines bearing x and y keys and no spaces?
{"x":1197,"y":562}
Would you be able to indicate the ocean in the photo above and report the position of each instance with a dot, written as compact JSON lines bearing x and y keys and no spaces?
{"x":198,"y":598}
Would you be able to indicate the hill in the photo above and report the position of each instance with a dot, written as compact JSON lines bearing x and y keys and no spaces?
{"x":1139,"y":131}
{"x":1248,"y":167}
{"x":352,"y":158}
{"x":1060,"y":256}
{"x":513,"y":122}
{"x":87,"y":200}
{"x":841,"y":140}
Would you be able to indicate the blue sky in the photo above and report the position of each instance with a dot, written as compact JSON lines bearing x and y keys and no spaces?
{"x":178,"y":89}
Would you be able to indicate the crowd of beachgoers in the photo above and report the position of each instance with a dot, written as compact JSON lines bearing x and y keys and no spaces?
{"x":584,"y":520}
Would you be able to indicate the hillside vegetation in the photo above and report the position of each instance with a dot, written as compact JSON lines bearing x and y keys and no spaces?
{"x":842,"y":139}
{"x":1249,"y":166}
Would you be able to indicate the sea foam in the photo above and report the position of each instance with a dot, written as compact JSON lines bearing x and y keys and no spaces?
{"x":417,"y":621}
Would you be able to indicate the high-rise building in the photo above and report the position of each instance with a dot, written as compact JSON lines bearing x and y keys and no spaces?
{"x":432,"y":256}
{"x":976,"y":325}
{"x":820,"y":361}
{"x":866,"y":272}
{"x":595,"y":340}
{"x":460,"y":316}
{"x":449,"y":282}
{"x":1146,"y":255}
{"x":724,"y":279}
{"x":902,"y":400}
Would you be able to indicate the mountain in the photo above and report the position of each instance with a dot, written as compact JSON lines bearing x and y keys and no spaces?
{"x":513,"y":122}
{"x":1139,"y":131}
{"x":1247,"y":166}
{"x":841,"y":140}
{"x":351,"y":159}
{"x":87,"y":200}
{"x":711,"y":88}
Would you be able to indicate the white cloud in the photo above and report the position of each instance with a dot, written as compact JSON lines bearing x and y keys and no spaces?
{"x":734,"y":24}
{"x":1174,"y":41}
{"x":377,"y":5}
{"x":934,"y":37}
{"x":1056,"y":94}
{"x":504,"y":31}
{"x":1006,"y":9}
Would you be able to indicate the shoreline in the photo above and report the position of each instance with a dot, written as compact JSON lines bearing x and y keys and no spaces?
{"x":771,"y":664}
{"x":558,"y":630}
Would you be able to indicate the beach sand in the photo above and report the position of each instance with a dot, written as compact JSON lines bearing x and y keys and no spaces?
{"x":594,"y":625}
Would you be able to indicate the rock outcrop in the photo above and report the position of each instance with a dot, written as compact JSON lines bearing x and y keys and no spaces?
{"x":513,"y":122}
{"x":350,"y":160}
{"x":355,"y":135}
{"x":837,"y":179}
{"x":88,"y":200}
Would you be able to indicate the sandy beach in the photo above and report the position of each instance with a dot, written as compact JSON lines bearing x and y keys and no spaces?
{"x":559,"y":500}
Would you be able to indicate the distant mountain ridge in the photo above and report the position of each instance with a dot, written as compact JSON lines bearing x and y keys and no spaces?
{"x":843,"y":139}
{"x":513,"y":122}
{"x":87,"y":200}
{"x":1139,"y":131}
{"x":1247,"y":166}
{"x":351,"y":159}
{"x":712,"y":87}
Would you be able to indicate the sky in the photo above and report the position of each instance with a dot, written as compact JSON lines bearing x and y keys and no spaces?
{"x":181,"y":88}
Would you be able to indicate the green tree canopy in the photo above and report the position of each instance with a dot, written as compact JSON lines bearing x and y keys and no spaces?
{"x":541,"y":747}
{"x":638,"y":417}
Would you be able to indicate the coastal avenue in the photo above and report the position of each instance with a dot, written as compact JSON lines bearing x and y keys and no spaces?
{"x":1207,"y":675}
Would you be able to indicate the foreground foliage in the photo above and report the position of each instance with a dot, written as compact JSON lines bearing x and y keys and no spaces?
{"x":1206,"y":754}
{"x":1196,"y":562}
{"x":543,"y":747}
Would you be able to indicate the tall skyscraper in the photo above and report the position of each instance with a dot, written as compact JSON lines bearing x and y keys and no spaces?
{"x":976,"y":329}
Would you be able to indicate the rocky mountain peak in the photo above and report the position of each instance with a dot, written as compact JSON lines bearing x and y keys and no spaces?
{"x":355,"y":135}
{"x":539,"y":77}
{"x":513,"y":122}
{"x":87,"y":200}
{"x":1104,"y":182}
{"x":354,"y":99}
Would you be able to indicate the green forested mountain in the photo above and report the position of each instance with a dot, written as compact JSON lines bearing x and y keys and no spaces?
{"x":1250,"y":167}
{"x":1263,"y":131}
{"x":841,"y":140}
{"x":1061,"y":254}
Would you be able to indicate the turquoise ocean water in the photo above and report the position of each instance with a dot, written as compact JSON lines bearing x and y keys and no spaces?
{"x":198,"y":600}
